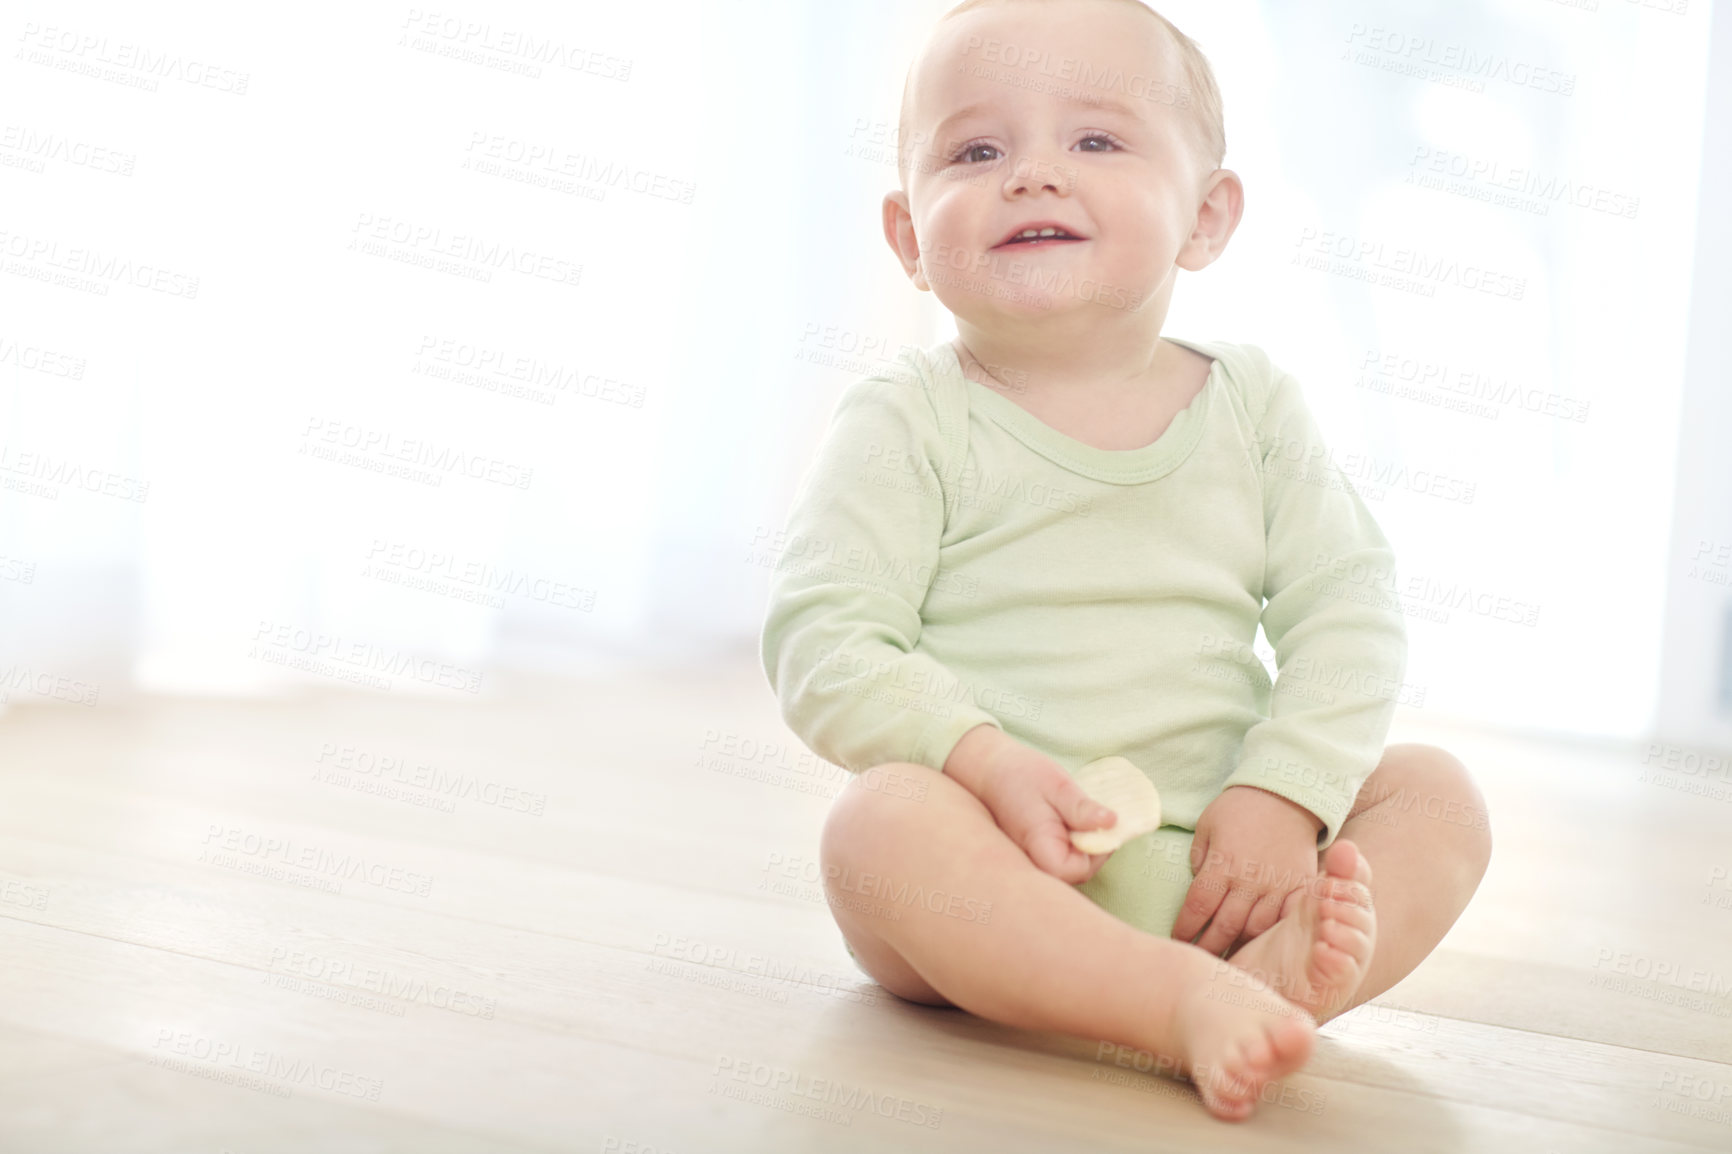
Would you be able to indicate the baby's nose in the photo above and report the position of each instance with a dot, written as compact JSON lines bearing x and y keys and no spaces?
{"x":1037,"y":172}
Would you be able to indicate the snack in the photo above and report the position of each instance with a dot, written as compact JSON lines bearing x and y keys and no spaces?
{"x":1126,"y":790}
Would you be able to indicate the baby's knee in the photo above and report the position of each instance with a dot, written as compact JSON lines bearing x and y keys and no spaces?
{"x":1450,"y":793}
{"x":872,"y":804}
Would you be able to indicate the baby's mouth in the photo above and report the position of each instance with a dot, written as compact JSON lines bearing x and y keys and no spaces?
{"x":1040,"y":238}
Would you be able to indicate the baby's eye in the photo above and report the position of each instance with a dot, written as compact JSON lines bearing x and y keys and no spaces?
{"x":1100,"y":136}
{"x":966,"y":153}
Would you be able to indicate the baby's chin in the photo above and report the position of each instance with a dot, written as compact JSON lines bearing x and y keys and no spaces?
{"x":1079,"y":302}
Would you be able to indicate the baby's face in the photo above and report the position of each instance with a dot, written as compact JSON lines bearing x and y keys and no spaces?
{"x":1094,"y":136}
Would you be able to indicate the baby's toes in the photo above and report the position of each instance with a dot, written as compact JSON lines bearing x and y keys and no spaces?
{"x":1226,"y":1090}
{"x":1291,"y":1042}
{"x":1344,"y":890}
{"x":1343,"y":860}
{"x":1355,"y":943}
{"x":1283,"y":1048}
{"x":1254,"y":1054}
{"x":1332,"y":968}
{"x":1242,"y":1079}
{"x":1348,"y":914}
{"x":1226,"y":1107}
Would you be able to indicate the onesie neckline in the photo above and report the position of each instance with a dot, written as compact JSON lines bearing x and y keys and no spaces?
{"x":1121,"y":466}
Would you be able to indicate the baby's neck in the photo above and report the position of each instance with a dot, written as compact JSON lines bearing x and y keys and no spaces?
{"x":1131,"y":413}
{"x":1036,"y":365}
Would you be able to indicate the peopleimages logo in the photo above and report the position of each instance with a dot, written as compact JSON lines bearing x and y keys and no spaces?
{"x":45,"y":473}
{"x":795,"y":1085}
{"x":375,"y":235}
{"x":111,"y":268}
{"x":1366,"y":259}
{"x":385,"y":773}
{"x":1089,"y":79}
{"x":223,"y":844}
{"x":17,"y":678}
{"x":314,"y":651}
{"x":922,"y":684}
{"x":1419,"y":52}
{"x":387,"y":446}
{"x":936,"y":259}
{"x":186,"y":1052}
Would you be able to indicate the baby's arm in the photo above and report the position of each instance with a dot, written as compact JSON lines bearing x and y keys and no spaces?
{"x":857,"y":562}
{"x":852,"y":570}
{"x":1340,"y":648}
{"x":1300,"y":769}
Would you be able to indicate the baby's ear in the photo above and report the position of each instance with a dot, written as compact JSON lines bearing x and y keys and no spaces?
{"x":1217,"y":217}
{"x":899,"y":234}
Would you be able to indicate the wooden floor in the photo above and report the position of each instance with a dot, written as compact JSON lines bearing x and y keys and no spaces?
{"x":589,"y":921}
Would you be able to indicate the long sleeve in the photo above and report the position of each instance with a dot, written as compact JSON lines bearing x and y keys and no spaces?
{"x":1331,"y":613}
{"x":851,"y":571}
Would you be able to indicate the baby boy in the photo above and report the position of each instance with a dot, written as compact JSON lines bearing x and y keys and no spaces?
{"x":1053,"y":540}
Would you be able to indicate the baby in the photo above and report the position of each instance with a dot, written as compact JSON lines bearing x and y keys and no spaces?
{"x":1052,"y":540}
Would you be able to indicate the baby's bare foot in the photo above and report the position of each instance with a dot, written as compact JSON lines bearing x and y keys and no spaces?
{"x":1238,"y":1036}
{"x":1318,"y":953}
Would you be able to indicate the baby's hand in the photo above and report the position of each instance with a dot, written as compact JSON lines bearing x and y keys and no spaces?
{"x":1037,"y":804}
{"x":1252,"y":848}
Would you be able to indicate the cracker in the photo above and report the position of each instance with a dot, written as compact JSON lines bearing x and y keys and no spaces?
{"x":1126,"y":790}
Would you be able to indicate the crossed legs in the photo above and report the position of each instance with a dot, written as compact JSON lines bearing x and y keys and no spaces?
{"x":996,"y":936}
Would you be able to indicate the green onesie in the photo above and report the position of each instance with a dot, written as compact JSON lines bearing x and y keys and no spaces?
{"x":951,"y":560}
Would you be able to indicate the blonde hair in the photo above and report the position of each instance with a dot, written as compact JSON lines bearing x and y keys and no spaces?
{"x":1204,"y":94}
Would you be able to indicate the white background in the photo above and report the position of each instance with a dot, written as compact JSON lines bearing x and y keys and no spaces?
{"x":633,"y":540}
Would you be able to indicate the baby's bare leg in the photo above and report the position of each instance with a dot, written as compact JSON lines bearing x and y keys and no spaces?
{"x":942,"y":907}
{"x":1421,"y":823}
{"x":1419,"y":845}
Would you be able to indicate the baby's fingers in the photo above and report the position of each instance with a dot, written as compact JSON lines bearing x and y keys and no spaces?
{"x":1096,"y":861}
{"x":1264,"y":914}
{"x":1049,"y":847}
{"x":1078,"y":810}
{"x":1201,"y":901}
{"x":1229,"y":919}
